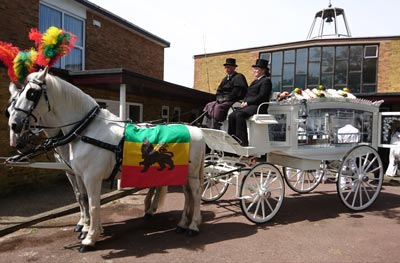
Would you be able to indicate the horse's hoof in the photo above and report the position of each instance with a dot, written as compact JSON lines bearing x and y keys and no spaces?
{"x":148,"y":216}
{"x":180,"y":230}
{"x":191,"y":233}
{"x":82,"y":235}
{"x":78,"y":228}
{"x":84,"y":248}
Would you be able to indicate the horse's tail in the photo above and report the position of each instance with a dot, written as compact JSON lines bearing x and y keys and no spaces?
{"x":201,"y":170}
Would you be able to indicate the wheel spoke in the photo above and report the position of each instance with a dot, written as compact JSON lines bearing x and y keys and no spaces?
{"x":269,"y":205}
{"x":375,"y":169}
{"x":257,"y":207}
{"x":366,"y":192}
{"x":355,"y":194}
{"x":263,"y":209}
{"x":370,"y":163}
{"x":252,"y":203}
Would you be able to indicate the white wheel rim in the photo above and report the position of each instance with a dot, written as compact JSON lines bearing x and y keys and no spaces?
{"x":360,"y":178}
{"x":262,"y":193}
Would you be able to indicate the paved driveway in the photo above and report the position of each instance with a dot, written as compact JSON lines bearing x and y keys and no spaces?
{"x":309,"y":228}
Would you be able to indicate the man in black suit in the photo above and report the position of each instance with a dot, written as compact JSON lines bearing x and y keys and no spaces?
{"x":231,"y":89}
{"x":258,"y":92}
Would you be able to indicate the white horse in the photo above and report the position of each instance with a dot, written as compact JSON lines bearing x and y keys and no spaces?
{"x":61,"y":154}
{"x":48,"y":99}
{"x":154,"y":197}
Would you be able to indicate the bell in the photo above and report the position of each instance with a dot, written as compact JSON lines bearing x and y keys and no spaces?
{"x":329,"y":19}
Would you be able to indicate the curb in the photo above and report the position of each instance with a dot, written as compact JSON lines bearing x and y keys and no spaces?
{"x":62,"y":211}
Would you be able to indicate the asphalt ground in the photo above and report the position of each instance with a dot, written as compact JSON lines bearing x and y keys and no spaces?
{"x":314,"y":227}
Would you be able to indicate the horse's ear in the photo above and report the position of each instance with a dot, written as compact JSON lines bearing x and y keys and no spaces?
{"x":13,"y":89}
{"x":42,"y":74}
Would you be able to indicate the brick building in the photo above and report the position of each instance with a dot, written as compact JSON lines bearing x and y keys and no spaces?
{"x":118,"y":63}
{"x":368,"y":66}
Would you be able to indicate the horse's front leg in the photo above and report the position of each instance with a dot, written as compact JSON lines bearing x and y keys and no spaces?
{"x":93,"y":188}
{"x":83,"y":202}
{"x":83,"y":205}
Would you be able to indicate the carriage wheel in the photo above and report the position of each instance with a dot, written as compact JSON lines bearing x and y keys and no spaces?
{"x":360,"y":177}
{"x":303,"y":181}
{"x":214,"y":185}
{"x":262,"y":193}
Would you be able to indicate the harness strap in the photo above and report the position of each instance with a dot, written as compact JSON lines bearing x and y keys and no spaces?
{"x":57,"y":141}
{"x":117,"y":149}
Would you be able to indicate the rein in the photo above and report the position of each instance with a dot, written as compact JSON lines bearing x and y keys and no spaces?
{"x":54,"y":142}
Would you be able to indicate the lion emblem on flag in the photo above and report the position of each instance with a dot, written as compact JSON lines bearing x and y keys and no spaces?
{"x":151,"y":156}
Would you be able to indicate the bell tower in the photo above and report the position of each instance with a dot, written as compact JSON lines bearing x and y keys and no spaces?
{"x":329,"y":23}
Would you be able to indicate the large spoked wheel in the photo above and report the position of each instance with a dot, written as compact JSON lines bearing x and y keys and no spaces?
{"x":215,"y":185}
{"x":360,"y":177}
{"x":262,"y":193}
{"x":303,"y":181}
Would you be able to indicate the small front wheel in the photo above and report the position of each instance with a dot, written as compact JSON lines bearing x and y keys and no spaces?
{"x":214,"y":185}
{"x":262,"y":193}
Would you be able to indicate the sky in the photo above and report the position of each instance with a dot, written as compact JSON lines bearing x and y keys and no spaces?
{"x":209,"y":26}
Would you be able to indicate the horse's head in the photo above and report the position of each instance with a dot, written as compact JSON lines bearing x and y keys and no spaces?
{"x":26,"y":107}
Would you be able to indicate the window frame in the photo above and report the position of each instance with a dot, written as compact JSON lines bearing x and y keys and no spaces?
{"x":71,"y":11}
{"x":317,"y":61}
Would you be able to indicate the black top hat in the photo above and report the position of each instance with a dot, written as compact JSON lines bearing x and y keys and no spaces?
{"x":261,"y":63}
{"x":230,"y":62}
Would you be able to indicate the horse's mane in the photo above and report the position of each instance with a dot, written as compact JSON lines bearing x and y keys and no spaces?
{"x":71,"y":94}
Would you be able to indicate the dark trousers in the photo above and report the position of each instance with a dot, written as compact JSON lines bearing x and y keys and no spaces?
{"x":237,"y":123}
{"x":218,"y":111}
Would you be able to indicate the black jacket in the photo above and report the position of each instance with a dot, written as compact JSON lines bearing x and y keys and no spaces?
{"x":233,"y":89}
{"x":259,"y":91}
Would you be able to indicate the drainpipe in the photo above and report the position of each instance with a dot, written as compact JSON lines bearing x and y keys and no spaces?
{"x":122,"y":101}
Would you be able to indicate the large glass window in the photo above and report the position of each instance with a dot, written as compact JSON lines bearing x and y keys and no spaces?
{"x":340,"y":66}
{"x":276,"y":63}
{"x":48,"y":17}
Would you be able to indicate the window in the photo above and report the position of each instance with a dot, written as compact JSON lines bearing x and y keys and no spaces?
{"x":266,"y":56}
{"x":353,"y":66}
{"x":176,"y":117}
{"x":371,"y":51}
{"x":50,"y":16}
{"x":134,"y":111}
{"x":165,"y":113}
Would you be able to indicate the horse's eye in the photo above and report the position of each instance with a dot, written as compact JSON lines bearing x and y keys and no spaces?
{"x":32,"y":94}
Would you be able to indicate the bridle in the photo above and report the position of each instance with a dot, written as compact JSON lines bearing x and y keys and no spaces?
{"x":33,"y":95}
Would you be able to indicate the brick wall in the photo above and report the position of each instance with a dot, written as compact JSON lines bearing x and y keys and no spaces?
{"x":111,"y":46}
{"x":151,"y":105}
{"x":16,"y":19}
{"x":211,"y":68}
{"x":388,"y":66}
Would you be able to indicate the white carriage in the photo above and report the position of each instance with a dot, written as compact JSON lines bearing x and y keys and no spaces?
{"x":304,"y":141}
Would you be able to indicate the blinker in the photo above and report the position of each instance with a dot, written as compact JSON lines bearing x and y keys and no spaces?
{"x":33,"y":95}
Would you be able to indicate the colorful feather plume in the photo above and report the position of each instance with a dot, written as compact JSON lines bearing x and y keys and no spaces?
{"x":24,"y":64}
{"x":52,"y":45}
{"x":7,"y":54}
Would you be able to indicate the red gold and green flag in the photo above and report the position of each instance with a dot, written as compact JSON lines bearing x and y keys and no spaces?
{"x":155,"y":156}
